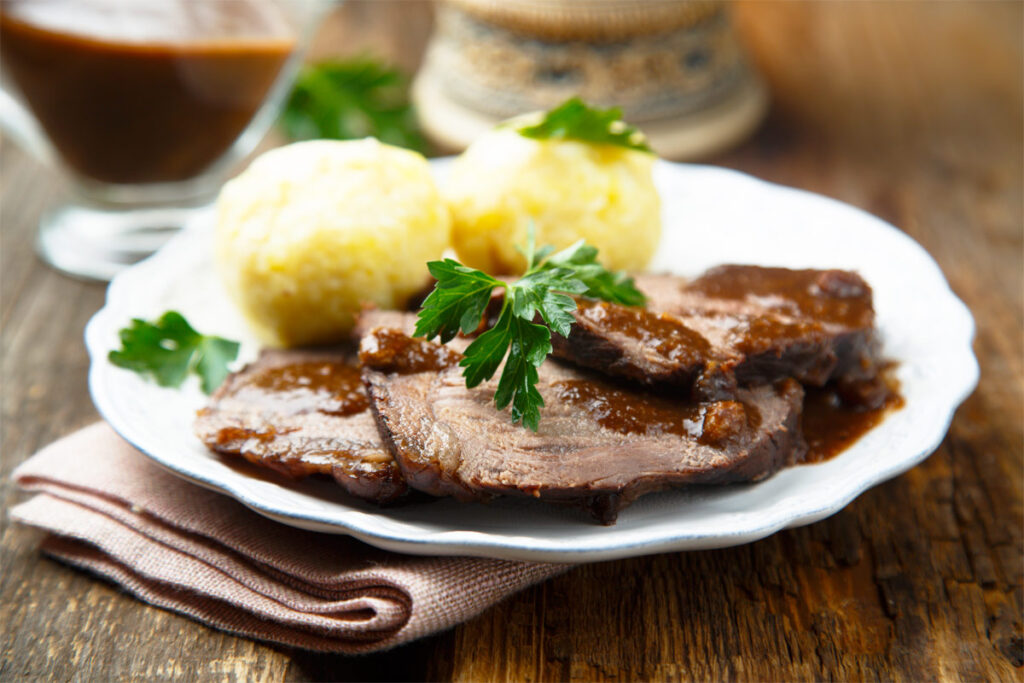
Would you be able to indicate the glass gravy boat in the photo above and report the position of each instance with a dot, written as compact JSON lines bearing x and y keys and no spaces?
{"x":143,"y":106}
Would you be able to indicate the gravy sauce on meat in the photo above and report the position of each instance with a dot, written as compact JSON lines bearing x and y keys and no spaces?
{"x":832,"y":424}
{"x":829,"y":296}
{"x":303,"y":413}
{"x":629,"y":412}
{"x":391,"y":350}
{"x":752,"y":334}
{"x":670,"y":337}
{"x":330,"y":387}
{"x":735,"y":326}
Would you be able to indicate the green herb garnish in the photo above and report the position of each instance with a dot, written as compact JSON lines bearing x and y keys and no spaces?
{"x":346,"y":100}
{"x":575,"y":120}
{"x":460,"y":298}
{"x":169,"y":349}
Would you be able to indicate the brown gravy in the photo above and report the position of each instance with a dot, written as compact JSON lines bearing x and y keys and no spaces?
{"x":825,"y":296}
{"x":670,"y":337}
{"x":328,"y":387}
{"x":831,"y":425}
{"x":391,"y":350}
{"x":631,"y":412}
{"x":755,"y":334}
{"x":143,"y":91}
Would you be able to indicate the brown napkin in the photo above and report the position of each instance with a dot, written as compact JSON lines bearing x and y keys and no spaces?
{"x":110,"y":510}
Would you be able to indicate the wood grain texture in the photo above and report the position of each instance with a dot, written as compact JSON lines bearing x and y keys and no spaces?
{"x":912,"y":111}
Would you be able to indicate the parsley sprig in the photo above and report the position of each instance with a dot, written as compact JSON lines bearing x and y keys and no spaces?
{"x":169,"y":349}
{"x":349,"y":99}
{"x":576,"y":120}
{"x":460,"y":298}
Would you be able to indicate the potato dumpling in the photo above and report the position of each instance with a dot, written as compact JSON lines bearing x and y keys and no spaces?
{"x":312,"y":231}
{"x":570,"y":190}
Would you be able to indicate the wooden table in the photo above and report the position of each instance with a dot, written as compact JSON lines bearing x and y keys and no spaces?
{"x":910,"y":111}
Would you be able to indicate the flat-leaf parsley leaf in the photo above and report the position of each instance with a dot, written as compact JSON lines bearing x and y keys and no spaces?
{"x":349,"y":99}
{"x":574,"y":119}
{"x":168,"y":349}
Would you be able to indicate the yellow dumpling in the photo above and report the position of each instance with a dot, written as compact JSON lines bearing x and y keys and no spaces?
{"x":312,"y":231}
{"x":570,"y":190}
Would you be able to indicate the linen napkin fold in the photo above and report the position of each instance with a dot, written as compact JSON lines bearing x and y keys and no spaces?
{"x":112,"y":511}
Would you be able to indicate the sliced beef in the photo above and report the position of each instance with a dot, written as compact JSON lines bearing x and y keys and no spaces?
{"x":303,"y":413}
{"x":599,"y":444}
{"x":734,"y":326}
{"x":839,"y":302}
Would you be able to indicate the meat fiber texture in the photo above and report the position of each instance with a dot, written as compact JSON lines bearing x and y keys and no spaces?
{"x":298,"y":432}
{"x":450,"y":440}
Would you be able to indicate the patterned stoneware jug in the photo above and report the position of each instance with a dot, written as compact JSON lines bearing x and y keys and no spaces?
{"x":673,"y":66}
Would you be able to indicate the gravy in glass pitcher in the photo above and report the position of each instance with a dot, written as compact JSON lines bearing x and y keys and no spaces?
{"x":143,"y":91}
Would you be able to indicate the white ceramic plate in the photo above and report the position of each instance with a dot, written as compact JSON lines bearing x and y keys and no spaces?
{"x":711,"y":216}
